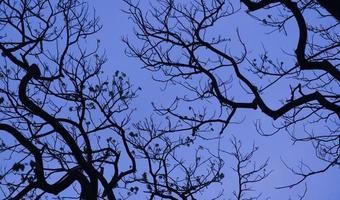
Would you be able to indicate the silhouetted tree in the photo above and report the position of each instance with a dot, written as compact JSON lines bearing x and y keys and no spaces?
{"x":65,"y":126}
{"x":66,"y":129}
{"x":184,"y":44}
{"x":247,"y":171}
{"x":67,"y":119}
{"x":177,"y":166}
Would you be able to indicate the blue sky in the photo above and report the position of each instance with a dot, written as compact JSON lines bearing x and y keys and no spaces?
{"x":116,"y":25}
{"x":279,"y":147}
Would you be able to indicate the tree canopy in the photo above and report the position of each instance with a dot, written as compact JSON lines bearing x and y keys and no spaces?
{"x":69,"y":131}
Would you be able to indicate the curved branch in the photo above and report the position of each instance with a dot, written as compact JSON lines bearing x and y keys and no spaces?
{"x":41,"y":183}
{"x":258,"y":101}
{"x":34,"y":72}
{"x":304,"y":63}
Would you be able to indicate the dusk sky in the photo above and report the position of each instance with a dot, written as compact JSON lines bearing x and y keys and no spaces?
{"x":279,"y":148}
{"x":116,"y":25}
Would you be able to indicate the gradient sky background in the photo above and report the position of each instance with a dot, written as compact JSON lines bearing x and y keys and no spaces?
{"x":324,"y":186}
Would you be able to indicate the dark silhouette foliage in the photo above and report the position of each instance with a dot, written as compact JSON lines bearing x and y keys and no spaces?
{"x":67,"y":119}
{"x":182,"y":47}
{"x":66,"y":128}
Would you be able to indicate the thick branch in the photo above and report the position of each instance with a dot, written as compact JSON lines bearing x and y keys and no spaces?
{"x":305,"y":64}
